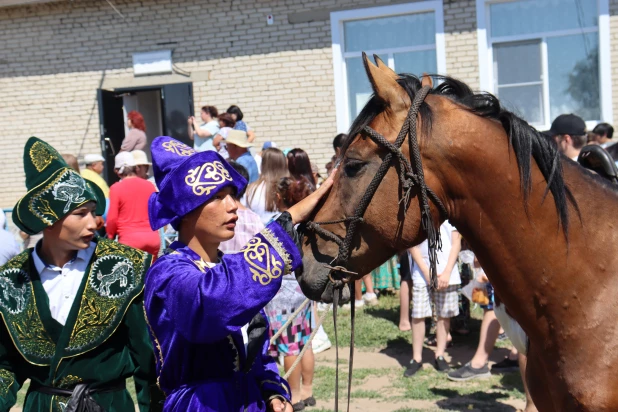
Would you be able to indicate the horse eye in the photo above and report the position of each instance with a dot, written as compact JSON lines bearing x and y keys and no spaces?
{"x":352,"y":168}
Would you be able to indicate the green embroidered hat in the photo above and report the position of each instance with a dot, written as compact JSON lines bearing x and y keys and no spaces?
{"x":54,"y":189}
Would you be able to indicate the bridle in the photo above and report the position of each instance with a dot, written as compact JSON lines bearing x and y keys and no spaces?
{"x":410,"y":175}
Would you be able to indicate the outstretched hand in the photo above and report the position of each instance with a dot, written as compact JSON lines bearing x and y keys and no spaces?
{"x":303,"y":209}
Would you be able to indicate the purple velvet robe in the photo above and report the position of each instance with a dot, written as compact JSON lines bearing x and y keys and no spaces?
{"x":196,"y":312}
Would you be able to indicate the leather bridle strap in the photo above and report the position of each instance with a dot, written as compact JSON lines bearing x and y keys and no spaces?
{"x":410,"y":174}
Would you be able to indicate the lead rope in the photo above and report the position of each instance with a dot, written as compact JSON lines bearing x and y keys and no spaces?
{"x":351,"y":363}
{"x":335,"y":305}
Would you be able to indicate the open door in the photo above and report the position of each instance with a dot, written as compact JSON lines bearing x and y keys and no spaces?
{"x":111,"y":120}
{"x":177,"y":103}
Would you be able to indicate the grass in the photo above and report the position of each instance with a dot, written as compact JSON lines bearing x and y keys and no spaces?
{"x":377,"y":327}
{"x":324,"y":380}
{"x":373,"y":327}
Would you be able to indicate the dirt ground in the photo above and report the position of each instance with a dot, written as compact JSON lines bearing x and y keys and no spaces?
{"x":393,"y":398}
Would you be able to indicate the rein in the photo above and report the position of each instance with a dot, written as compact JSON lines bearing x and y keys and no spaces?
{"x":410,"y":175}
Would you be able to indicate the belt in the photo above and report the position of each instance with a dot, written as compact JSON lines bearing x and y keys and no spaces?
{"x":79,"y":397}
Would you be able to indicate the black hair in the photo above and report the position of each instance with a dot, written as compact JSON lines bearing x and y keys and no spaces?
{"x":604,"y":129}
{"x":338,"y":141}
{"x":241,"y":171}
{"x":526,"y":141}
{"x":233,"y":109}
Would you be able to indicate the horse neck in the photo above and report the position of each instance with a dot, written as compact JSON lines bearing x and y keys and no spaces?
{"x":534,"y":269}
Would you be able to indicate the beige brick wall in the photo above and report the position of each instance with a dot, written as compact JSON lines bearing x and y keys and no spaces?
{"x":54,"y":56}
{"x":460,"y":39}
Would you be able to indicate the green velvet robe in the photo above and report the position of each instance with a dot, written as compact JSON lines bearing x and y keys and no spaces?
{"x":105,"y":338}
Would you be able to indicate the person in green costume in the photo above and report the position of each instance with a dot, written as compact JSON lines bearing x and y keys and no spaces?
{"x":72,"y":312}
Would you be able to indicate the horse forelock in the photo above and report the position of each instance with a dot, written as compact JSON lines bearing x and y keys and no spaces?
{"x":526,"y":142}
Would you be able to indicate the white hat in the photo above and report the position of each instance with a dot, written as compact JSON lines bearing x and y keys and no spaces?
{"x":140,"y":157}
{"x":93,"y":158}
{"x":238,"y":138}
{"x":124,"y":159}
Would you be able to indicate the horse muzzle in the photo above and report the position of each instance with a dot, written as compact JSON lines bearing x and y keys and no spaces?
{"x":315,"y":282}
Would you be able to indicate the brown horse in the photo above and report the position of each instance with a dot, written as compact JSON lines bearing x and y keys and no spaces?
{"x":542,"y":227}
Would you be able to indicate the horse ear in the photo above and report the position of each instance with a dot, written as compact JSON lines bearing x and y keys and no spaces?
{"x":385,"y":86}
{"x":426,"y":80}
{"x":382,"y":66}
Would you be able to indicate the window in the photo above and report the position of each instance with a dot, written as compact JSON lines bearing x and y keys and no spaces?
{"x":543,"y":58}
{"x":407,"y":37}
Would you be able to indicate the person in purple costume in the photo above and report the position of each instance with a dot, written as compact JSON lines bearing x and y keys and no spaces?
{"x":205,"y":309}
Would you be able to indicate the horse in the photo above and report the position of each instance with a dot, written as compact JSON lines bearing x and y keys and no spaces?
{"x":541,"y":226}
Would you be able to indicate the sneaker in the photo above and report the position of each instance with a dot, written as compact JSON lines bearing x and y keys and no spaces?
{"x":441,"y":364}
{"x":371,"y":299}
{"x":319,"y":344}
{"x":467,"y":372}
{"x":359,"y":303}
{"x":412,"y":368}
{"x":310,"y":401}
{"x":506,"y":365}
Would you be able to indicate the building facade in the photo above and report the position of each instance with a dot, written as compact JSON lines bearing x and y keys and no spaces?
{"x":69,"y":70}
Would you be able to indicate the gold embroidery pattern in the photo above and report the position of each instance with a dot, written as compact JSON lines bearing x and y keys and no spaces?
{"x":100,"y":313}
{"x":279,"y":248}
{"x":202,"y":265}
{"x":92,"y":316}
{"x":180,"y":149}
{"x":42,"y":155}
{"x":6,"y":381}
{"x":69,"y":381}
{"x":40,"y":207}
{"x":26,"y":328}
{"x":203,"y":179}
{"x":263,"y":265}
{"x":158,"y":351}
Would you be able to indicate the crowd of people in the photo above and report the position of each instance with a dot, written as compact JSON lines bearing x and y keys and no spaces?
{"x":230,"y":210}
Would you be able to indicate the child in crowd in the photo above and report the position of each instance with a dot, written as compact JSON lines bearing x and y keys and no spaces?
{"x":289,"y":298}
{"x":445,"y":297}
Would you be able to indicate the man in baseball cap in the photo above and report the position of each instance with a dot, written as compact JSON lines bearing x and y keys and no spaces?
{"x":569,"y":132}
{"x":94,"y":168}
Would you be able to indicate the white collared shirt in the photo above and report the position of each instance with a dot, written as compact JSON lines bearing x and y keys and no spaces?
{"x":62,"y":284}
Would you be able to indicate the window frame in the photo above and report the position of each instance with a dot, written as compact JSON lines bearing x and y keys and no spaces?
{"x":488,"y":80}
{"x":337,"y":20}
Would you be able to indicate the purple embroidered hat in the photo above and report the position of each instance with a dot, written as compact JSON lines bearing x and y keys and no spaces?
{"x":186,"y":180}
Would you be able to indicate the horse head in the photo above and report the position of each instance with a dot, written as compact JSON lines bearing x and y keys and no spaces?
{"x":392,"y":220}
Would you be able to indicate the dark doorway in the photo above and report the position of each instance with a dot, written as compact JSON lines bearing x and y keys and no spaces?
{"x":111,"y":118}
{"x":165,"y":109}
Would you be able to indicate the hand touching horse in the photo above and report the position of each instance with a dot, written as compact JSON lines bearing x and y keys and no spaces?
{"x":541,"y":226}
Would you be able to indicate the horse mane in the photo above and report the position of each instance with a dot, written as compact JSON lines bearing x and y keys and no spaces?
{"x":526,"y":141}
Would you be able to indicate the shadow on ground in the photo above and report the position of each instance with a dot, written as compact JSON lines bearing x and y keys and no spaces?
{"x":475,"y":401}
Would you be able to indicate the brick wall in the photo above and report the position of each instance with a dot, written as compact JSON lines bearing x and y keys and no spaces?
{"x":460,"y":39}
{"x":54,"y":56}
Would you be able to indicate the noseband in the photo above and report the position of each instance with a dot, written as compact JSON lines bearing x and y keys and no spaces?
{"x":410,"y":175}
